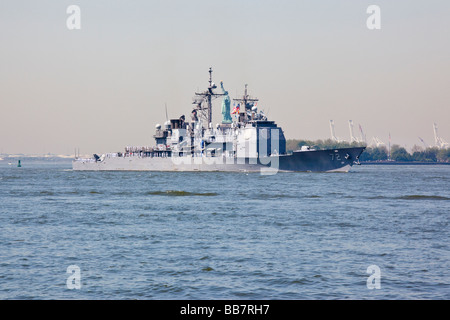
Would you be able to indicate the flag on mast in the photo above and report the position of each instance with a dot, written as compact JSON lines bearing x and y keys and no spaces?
{"x":236,"y":109}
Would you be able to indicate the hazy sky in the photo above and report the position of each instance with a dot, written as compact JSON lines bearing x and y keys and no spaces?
{"x":104,"y":86}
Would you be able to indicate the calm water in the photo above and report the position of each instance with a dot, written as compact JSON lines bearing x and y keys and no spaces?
{"x":143,"y":235}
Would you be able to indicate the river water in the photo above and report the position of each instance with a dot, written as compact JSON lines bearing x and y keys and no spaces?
{"x":289,"y":236}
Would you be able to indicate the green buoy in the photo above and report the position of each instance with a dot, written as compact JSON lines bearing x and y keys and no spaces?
{"x":18,"y":164}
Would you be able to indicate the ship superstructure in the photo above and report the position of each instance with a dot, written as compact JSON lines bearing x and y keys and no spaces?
{"x":250,"y":142}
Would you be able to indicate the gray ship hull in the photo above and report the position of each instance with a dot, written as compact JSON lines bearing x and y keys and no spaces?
{"x":334,"y":160}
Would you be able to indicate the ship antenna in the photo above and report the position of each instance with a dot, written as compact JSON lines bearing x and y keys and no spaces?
{"x":210,"y":76}
{"x":209,"y":97}
{"x":167,"y":117}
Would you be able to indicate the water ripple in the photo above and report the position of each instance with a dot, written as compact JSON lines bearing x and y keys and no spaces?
{"x":224,"y":235}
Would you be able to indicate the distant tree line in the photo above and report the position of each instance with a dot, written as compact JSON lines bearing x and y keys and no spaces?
{"x":294,"y":144}
{"x":381,"y":153}
{"x":431,"y":154}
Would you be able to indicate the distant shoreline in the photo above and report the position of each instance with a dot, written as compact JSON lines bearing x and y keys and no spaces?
{"x":397,"y":163}
{"x":68,"y":158}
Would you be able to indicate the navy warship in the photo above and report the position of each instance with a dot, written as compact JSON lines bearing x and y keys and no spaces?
{"x":245,"y":141}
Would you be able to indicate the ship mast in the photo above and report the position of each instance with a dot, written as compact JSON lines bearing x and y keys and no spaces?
{"x":246,"y":101}
{"x":207,"y":96}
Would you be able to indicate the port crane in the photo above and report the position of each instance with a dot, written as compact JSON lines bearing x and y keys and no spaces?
{"x":333,"y":134}
{"x":352,"y":136}
{"x":439,"y":142}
